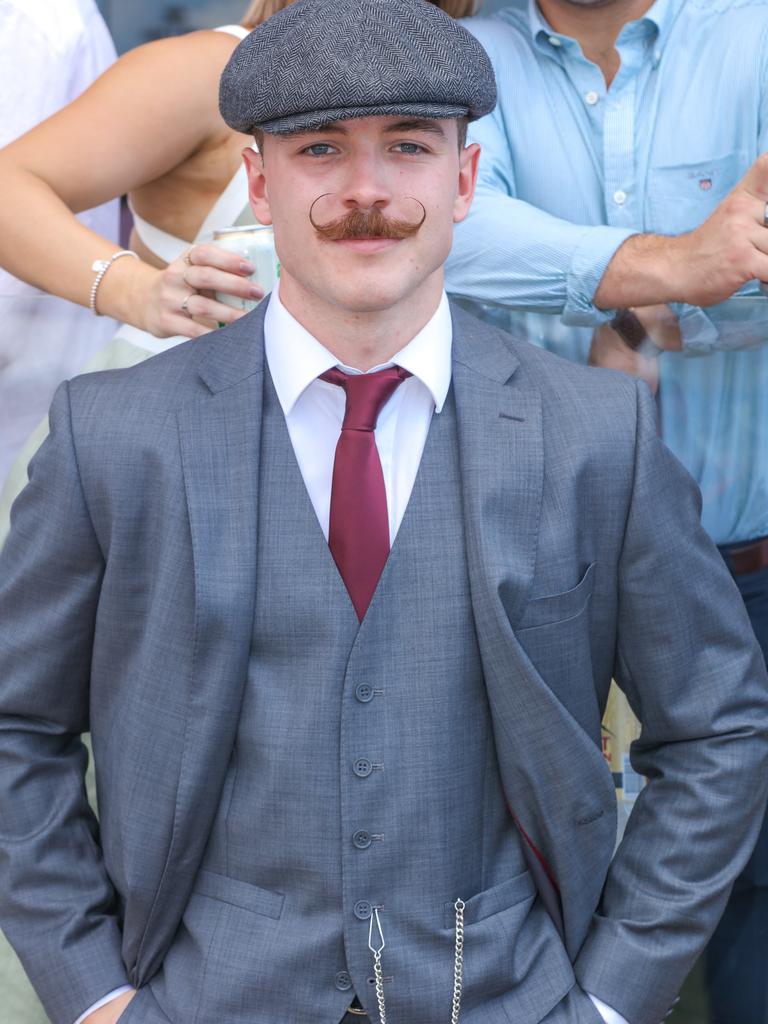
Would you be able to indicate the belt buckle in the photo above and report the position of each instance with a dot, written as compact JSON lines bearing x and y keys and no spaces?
{"x":357,"y":1011}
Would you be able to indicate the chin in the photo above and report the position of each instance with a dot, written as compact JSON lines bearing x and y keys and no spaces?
{"x":368,"y":295}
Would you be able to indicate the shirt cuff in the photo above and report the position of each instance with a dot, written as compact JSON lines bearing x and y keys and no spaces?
{"x":609,"y":1015}
{"x":103,"y":1002}
{"x":590,"y":260}
{"x":697,"y":331}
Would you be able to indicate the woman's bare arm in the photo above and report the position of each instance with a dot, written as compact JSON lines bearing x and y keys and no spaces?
{"x":145,"y":116}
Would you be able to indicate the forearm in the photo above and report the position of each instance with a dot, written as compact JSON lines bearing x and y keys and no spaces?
{"x":691,"y":668}
{"x":58,"y":908}
{"x":42,"y":242}
{"x":643,"y":272}
{"x":511,"y":254}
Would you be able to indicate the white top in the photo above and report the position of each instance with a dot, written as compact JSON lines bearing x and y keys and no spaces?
{"x":223,"y":213}
{"x":50,"y":52}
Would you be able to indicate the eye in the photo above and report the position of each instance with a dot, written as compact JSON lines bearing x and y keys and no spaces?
{"x":410,"y":148}
{"x":319,"y":149}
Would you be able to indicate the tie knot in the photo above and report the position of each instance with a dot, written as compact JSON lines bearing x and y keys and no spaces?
{"x":367,"y":394}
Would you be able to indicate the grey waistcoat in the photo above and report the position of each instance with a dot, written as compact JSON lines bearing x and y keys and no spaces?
{"x":364,"y":775}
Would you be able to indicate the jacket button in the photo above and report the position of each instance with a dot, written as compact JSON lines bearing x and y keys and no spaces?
{"x":362,"y":767}
{"x":364,"y":692}
{"x":362,"y":839}
{"x":343,"y":981}
{"x":363,"y":910}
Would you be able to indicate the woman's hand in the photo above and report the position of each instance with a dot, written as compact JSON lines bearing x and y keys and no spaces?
{"x":181,"y":300}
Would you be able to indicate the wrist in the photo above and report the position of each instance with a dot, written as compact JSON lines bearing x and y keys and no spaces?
{"x":124,"y":291}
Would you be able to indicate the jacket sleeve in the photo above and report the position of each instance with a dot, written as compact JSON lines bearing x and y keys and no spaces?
{"x":692,"y":670}
{"x":57,"y":905}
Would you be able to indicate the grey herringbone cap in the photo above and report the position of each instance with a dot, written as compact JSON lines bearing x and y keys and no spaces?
{"x":319,"y":61}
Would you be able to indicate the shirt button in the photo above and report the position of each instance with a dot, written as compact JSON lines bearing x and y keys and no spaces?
{"x":343,"y":982}
{"x":554,"y":41}
{"x":362,"y":910}
{"x":591,"y":98}
{"x":364,"y":692}
{"x":362,"y":839}
{"x":362,"y":768}
{"x":619,"y":197}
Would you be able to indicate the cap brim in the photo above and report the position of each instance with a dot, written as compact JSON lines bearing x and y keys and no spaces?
{"x":312,"y":120}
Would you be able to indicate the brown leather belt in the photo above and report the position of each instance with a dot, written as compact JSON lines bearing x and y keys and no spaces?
{"x":356,"y":1012}
{"x":355,"y":1015}
{"x":747,"y":558}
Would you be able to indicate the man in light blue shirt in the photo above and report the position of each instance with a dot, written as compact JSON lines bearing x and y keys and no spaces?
{"x":621,"y":170}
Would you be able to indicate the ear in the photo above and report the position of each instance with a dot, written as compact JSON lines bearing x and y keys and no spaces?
{"x":469,"y":159}
{"x":257,"y":185}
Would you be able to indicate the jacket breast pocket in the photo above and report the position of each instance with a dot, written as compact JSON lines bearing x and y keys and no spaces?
{"x":546,"y":611}
{"x":554,"y":633}
{"x":680,"y":197}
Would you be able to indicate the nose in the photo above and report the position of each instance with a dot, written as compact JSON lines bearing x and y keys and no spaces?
{"x":366,"y":183}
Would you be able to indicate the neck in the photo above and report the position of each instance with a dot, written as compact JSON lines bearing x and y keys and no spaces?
{"x":596,"y":29}
{"x":362,"y":339}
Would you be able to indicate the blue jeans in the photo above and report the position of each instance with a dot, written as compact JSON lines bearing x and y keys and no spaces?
{"x":736,"y":961}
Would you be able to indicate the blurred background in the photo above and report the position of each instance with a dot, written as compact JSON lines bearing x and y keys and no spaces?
{"x":143,"y":20}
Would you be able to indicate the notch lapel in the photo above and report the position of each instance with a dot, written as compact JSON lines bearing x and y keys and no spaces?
{"x":552,"y":772}
{"x":219,"y":439}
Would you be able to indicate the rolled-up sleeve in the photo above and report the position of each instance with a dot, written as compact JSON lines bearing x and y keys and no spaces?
{"x":510,"y":253}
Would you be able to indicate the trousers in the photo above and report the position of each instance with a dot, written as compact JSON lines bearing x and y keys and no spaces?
{"x":735,"y":959}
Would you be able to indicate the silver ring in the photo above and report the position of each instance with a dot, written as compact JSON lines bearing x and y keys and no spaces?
{"x":185,"y":304}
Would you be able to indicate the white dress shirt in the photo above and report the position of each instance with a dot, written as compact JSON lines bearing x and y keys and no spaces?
{"x":314,"y":411}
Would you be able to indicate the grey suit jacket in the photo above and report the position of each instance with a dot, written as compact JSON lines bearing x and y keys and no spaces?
{"x":126,"y":606}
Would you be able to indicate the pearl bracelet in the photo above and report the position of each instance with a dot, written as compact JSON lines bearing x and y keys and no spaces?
{"x":100,"y":267}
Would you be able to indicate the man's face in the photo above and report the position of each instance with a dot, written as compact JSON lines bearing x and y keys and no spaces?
{"x":351,"y":175}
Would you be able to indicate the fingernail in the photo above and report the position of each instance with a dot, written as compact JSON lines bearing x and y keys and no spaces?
{"x":247,"y":268}
{"x":256,"y":293}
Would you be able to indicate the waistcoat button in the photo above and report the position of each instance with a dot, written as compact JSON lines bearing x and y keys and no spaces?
{"x":343,"y":982}
{"x":364,"y":692}
{"x":363,"y":910}
{"x":362,"y":839}
{"x":362,"y":767}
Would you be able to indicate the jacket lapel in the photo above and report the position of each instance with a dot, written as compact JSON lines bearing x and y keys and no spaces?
{"x":219,"y":440}
{"x":552,"y":772}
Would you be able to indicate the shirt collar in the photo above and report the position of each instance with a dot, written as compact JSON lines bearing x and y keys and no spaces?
{"x":661,"y":16}
{"x":296,"y":358}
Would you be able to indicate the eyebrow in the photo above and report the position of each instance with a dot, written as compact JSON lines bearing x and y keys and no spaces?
{"x":416,"y":124}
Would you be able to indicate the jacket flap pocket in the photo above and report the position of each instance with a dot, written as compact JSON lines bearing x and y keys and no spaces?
{"x":239,"y":894}
{"x":492,"y":901}
{"x":542,"y":611}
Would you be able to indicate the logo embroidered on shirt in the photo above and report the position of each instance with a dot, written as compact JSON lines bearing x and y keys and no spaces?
{"x":705,"y":184}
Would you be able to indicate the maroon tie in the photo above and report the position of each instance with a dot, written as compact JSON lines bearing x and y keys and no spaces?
{"x":359,"y":528}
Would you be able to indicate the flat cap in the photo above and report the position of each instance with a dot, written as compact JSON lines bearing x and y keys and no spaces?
{"x":319,"y":61}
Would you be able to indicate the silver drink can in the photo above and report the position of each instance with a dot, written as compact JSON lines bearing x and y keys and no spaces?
{"x":256,"y":243}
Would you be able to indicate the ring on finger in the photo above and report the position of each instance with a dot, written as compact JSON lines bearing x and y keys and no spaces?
{"x":188,"y":258}
{"x":185,"y":303}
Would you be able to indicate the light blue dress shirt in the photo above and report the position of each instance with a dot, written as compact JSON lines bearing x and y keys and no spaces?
{"x":571,"y":169}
